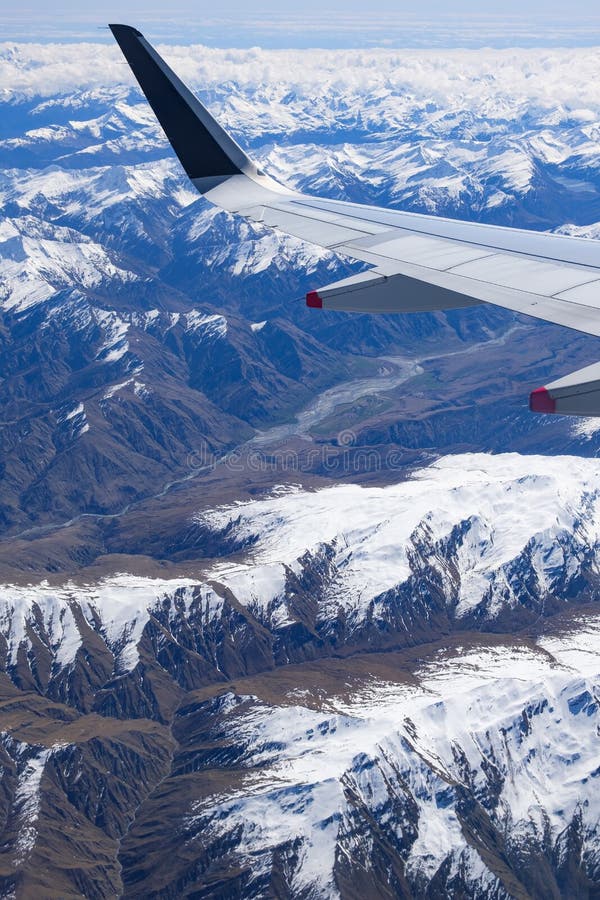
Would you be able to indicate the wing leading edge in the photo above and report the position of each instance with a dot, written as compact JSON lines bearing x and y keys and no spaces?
{"x":418,"y":262}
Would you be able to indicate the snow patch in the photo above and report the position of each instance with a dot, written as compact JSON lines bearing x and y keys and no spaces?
{"x":468,"y":506}
{"x":27,"y":803}
{"x":512,"y":719}
{"x":586,"y":428}
{"x":209,"y":326}
{"x":32,"y":270}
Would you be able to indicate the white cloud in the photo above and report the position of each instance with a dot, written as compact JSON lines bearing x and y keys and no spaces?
{"x":504,"y":80}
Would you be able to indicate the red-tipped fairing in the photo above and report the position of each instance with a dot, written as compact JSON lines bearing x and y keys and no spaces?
{"x":540,"y":401}
{"x":576,"y":394}
{"x":313,"y":300}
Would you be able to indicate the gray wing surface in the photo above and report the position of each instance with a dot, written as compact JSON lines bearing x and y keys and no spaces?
{"x":418,"y":262}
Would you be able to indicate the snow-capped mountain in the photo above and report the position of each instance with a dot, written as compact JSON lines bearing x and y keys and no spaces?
{"x":472,"y":541}
{"x":303,"y":761}
{"x":279,"y":614}
{"x":475,"y":778}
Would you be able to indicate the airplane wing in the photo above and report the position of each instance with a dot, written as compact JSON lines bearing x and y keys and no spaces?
{"x":418,"y":262}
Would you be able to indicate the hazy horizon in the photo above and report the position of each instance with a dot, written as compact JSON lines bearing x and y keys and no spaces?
{"x":314,"y":24}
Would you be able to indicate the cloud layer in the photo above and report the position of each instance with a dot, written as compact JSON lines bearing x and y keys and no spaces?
{"x":502,"y":80}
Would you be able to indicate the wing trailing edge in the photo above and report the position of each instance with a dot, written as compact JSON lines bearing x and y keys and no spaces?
{"x":375,"y":292}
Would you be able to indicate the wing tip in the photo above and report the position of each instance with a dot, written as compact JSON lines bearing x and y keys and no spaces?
{"x":313,"y":300}
{"x":124,"y":29}
{"x":540,"y":401}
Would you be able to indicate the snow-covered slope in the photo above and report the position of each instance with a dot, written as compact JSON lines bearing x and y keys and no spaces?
{"x":489,"y":531}
{"x":472,"y":540}
{"x":32,"y":270}
{"x":466,"y":767}
{"x":461,"y":783}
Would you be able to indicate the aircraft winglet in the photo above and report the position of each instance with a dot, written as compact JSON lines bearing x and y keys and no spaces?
{"x":204,"y":149}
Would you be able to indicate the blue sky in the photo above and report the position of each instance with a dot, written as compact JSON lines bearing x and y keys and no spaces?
{"x":313,"y":23}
